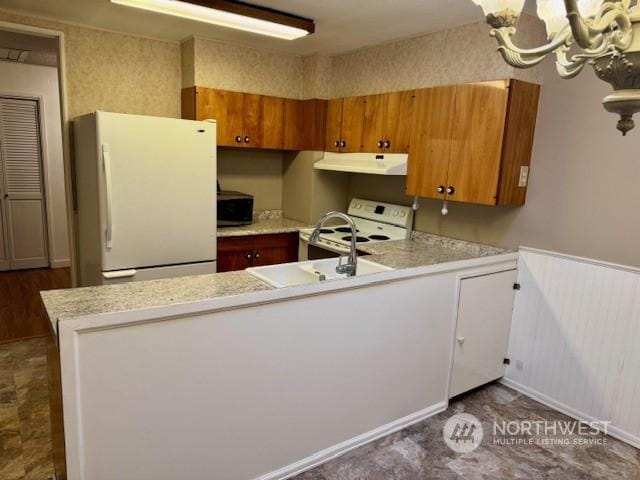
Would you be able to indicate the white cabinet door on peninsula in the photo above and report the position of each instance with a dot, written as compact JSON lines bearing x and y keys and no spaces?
{"x":485,"y":306}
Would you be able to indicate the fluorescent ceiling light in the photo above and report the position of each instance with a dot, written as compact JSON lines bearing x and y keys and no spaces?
{"x":211,"y":15}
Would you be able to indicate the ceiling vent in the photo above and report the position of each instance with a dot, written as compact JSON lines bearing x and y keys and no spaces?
{"x":13,"y":54}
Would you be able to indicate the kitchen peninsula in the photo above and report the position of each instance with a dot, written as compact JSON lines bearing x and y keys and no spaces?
{"x":188,"y":373}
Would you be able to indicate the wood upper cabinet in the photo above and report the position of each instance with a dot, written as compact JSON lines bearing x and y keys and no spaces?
{"x":263,"y":121}
{"x":334,"y":125}
{"x":387,"y":122}
{"x":374,"y":129}
{"x":243,"y":119}
{"x":486,"y":132}
{"x":223,"y":106}
{"x":305,"y":123}
{"x":345,"y":124}
{"x":430,"y":150}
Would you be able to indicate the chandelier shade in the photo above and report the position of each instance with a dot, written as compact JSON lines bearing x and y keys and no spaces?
{"x":492,"y":7}
{"x":554,"y":13}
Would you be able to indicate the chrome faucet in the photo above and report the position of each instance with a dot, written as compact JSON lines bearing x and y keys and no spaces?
{"x":351,"y":266}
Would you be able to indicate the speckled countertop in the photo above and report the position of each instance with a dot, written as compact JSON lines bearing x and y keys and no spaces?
{"x":426,"y":249}
{"x":421,"y":250}
{"x":264,"y":222}
{"x":75,"y":302}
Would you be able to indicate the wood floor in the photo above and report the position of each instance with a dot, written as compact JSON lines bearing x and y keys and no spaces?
{"x":21,"y":314}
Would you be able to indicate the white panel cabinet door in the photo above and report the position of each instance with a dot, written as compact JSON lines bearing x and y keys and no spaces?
{"x":485,"y":308}
{"x":23,"y":192}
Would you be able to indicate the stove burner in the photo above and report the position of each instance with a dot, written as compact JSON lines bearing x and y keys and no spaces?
{"x":358,"y":239}
{"x":378,"y":237}
{"x":345,"y":230}
{"x":326,"y":230}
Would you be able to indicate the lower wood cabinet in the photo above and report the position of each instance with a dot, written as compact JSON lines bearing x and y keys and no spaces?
{"x":485,"y":307}
{"x":238,"y":253}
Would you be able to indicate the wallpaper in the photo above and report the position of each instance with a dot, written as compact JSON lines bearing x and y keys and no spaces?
{"x":115,"y":72}
{"x":233,"y":67}
{"x":316,"y":76}
{"x":460,"y":55}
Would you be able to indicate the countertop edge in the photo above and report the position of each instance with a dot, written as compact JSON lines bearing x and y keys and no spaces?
{"x":80,"y":323}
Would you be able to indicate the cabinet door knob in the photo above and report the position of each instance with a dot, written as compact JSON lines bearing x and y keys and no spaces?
{"x":343,"y":143}
{"x":249,"y":256}
{"x":387,"y":144}
{"x":247,"y":139}
{"x":337,"y":143}
{"x":460,"y":340}
{"x":256,"y":255}
{"x":238,"y":139}
{"x":451,"y":190}
{"x":440,"y":189}
{"x":380,"y":144}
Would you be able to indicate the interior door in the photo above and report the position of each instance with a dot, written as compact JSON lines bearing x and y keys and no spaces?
{"x":485,"y":307}
{"x":158,"y":191}
{"x":352,"y":124}
{"x":23,"y":202}
{"x":373,"y":134}
{"x":397,"y":121}
{"x":334,"y":125}
{"x":4,"y":255}
{"x":226,"y":108}
{"x":480,"y":114}
{"x":430,"y":149}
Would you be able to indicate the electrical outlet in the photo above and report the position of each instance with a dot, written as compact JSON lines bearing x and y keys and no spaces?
{"x":524,"y":176}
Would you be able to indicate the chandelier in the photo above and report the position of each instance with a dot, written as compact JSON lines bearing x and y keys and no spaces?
{"x":597,"y":32}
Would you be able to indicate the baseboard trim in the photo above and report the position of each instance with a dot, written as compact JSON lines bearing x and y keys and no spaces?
{"x":335,"y":451}
{"x":60,"y":263}
{"x":613,"y":431}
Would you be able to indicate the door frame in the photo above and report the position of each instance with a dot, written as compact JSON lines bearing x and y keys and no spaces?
{"x":66,"y":138}
{"x":44,"y":174}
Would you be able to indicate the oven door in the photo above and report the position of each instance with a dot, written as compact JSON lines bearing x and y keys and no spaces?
{"x":318,"y":252}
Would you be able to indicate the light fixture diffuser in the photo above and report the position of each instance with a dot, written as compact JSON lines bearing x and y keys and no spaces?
{"x":225,"y":17}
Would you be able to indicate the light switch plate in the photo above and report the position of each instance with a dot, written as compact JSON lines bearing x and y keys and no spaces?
{"x":524,"y":176}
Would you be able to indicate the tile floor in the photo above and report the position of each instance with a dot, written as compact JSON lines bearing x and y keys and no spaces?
{"x":25,"y":431}
{"x":419,"y":451}
{"x":415,"y":453}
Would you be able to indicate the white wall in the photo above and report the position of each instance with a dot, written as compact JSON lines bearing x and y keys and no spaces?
{"x":574,"y":339}
{"x":40,"y":81}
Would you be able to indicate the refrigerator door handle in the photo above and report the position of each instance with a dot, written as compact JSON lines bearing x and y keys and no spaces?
{"x":106,"y":162}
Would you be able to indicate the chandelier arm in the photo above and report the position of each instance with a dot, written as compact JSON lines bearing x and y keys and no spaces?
{"x":579,"y":27}
{"x":589,"y":33}
{"x":569,"y":67}
{"x":610,"y":14}
{"x":526,"y":57}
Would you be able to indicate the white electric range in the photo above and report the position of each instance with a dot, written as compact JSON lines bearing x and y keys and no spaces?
{"x":375,"y":222}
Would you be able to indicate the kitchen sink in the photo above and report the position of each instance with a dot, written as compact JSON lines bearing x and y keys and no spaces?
{"x":312,"y":271}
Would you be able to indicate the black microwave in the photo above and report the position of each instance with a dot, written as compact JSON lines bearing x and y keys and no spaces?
{"x":234,"y":209}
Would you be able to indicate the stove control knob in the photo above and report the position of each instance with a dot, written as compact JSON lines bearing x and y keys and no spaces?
{"x":403,"y":214}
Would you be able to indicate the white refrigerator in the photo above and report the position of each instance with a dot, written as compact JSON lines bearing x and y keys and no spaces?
{"x":145,"y":196}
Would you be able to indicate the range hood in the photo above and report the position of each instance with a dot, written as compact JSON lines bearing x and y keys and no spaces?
{"x":374,"y":163}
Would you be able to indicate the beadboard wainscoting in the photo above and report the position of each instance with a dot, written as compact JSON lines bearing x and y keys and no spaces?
{"x":574,"y":339}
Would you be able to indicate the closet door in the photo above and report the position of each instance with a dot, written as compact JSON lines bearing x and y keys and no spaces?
{"x":4,"y":254}
{"x":23,"y":202}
